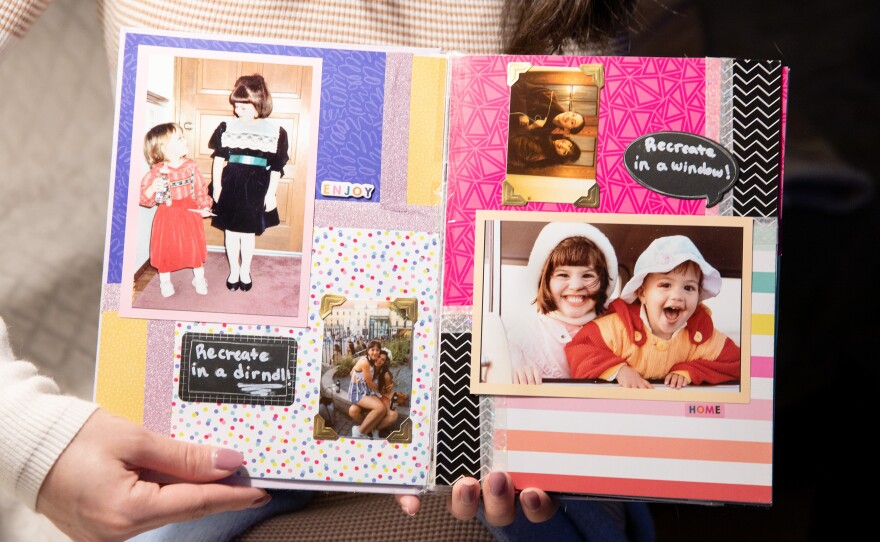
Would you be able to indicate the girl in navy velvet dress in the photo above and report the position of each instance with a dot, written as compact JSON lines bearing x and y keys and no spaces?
{"x":250,"y":152}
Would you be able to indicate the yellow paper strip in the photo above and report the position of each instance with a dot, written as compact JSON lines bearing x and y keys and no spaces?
{"x":426,"y":130}
{"x":121,"y":372}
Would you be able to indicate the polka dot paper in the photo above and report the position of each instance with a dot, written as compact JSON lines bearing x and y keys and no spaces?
{"x":277,"y":440}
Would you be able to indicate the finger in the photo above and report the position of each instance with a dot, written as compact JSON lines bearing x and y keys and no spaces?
{"x":185,"y":461}
{"x":410,"y":504}
{"x":174,"y":503}
{"x":537,"y":376}
{"x":537,"y":505}
{"x":465,"y":500}
{"x":498,"y":499}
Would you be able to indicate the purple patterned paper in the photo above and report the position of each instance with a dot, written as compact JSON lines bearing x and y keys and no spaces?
{"x":350,"y":129}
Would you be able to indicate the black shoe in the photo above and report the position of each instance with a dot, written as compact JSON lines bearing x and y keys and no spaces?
{"x":233,"y":285}
{"x":246,"y":286}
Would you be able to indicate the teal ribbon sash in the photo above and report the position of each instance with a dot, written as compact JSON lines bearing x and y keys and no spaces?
{"x":248,"y":160}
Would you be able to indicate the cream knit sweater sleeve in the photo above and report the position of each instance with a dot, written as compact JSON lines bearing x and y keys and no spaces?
{"x":16,"y":17}
{"x":36,"y":424}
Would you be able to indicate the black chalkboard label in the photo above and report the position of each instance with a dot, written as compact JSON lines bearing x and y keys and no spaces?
{"x":681,"y":165}
{"x":239,"y":369}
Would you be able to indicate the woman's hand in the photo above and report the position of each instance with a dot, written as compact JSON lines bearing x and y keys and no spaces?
{"x":94,"y":490}
{"x":499,"y":501}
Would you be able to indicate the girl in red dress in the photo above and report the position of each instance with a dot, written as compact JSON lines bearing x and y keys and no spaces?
{"x":175,"y":184}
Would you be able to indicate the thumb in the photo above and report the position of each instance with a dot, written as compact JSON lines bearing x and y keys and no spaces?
{"x":410,"y":504}
{"x":185,"y":461}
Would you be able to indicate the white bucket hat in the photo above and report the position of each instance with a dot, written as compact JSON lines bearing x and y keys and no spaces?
{"x":663,"y":255}
{"x":554,"y":233}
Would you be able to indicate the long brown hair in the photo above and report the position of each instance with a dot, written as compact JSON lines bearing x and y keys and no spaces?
{"x":378,"y":344}
{"x":381,"y":371}
{"x":573,"y":251}
{"x":548,"y":26}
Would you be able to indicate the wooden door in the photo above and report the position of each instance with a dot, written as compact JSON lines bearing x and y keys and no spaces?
{"x":203,"y":87}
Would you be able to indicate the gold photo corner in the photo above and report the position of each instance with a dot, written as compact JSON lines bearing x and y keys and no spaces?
{"x":322,"y":431}
{"x":402,"y":435}
{"x":408,"y":307}
{"x":578,"y":192}
{"x":514,"y":69}
{"x":596,"y":71}
{"x":510,"y":197}
{"x":591,"y":200}
{"x":328,"y":301}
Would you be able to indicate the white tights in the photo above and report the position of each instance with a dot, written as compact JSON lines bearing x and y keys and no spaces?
{"x":198,"y":272}
{"x":240,"y":248}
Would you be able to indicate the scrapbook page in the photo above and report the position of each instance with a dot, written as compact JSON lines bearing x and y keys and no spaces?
{"x":272,"y":269}
{"x":610,"y":282}
{"x":382,"y":269}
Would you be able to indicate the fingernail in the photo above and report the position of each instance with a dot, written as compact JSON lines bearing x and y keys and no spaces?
{"x":226,"y":459}
{"x":530,"y":500}
{"x":497,"y":484}
{"x":469,"y":493}
{"x":407,"y":508}
{"x":262,"y":501}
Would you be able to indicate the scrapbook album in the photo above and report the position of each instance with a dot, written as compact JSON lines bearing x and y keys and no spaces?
{"x":382,"y":269}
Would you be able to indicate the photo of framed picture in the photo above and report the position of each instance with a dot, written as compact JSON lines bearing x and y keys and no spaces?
{"x":551,"y":145}
{"x":222,"y":267}
{"x":566,"y":305}
{"x":366,"y":369}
